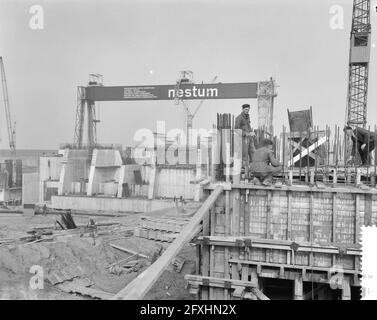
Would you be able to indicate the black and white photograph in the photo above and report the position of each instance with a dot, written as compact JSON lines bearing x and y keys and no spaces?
{"x":188,"y":154}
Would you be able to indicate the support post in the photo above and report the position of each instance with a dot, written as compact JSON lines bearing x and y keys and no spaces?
{"x":346,"y":289}
{"x":298,"y":288}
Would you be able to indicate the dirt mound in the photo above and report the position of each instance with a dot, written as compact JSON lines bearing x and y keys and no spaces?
{"x":86,"y":259}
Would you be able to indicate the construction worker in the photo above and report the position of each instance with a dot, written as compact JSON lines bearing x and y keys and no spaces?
{"x":264,"y":164}
{"x":363,"y":141}
{"x":243,"y":122}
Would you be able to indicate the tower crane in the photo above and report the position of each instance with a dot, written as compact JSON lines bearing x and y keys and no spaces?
{"x":10,"y":127}
{"x":356,"y":115}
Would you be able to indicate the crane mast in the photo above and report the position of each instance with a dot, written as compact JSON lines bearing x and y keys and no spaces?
{"x":359,"y":56}
{"x":10,"y":128}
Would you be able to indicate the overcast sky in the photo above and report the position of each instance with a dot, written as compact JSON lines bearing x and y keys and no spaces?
{"x":148,"y":42}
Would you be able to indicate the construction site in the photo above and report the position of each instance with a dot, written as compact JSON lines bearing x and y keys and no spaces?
{"x":192,"y":216}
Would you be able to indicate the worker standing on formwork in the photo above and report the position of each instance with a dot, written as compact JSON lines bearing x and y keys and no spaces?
{"x":363,"y":141}
{"x":264,"y":164}
{"x":243,"y":122}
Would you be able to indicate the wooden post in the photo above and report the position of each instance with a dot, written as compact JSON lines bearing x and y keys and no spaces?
{"x":312,"y":177}
{"x":346,"y":289}
{"x":298,"y":288}
{"x":311,"y":233}
{"x":137,"y":288}
{"x":290,"y":175}
{"x":357,"y":218}
{"x":358,"y":177}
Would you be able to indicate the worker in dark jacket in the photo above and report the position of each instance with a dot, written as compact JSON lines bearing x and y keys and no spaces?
{"x":363,"y":141}
{"x":264,"y":164}
{"x":243,"y":122}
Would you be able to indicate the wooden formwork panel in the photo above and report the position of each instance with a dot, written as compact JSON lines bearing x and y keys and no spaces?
{"x":284,"y":234}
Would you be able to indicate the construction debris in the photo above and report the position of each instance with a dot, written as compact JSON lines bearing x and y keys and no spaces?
{"x":178,"y":264}
{"x":67,"y":221}
{"x":161,"y":229}
{"x":128,"y":251}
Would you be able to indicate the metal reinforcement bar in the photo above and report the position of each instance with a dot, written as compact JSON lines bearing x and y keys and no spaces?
{"x":137,"y":288}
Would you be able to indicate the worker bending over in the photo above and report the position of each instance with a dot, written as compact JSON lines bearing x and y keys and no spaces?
{"x":363,"y":141}
{"x":243,"y":122}
{"x":264,"y":165}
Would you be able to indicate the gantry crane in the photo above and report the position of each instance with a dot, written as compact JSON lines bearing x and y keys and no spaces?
{"x":356,"y":115}
{"x":10,"y":127}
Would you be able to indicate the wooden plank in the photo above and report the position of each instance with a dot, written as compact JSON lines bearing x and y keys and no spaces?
{"x":351,"y":249}
{"x":333,"y":217}
{"x":289,"y":222}
{"x":128,"y":251}
{"x":220,"y":282}
{"x":311,"y":218}
{"x":198,"y":259}
{"x":245,"y":273}
{"x":226,"y":271}
{"x":298,"y":288}
{"x":235,"y":272}
{"x":346,"y":289}
{"x":205,"y":256}
{"x":242,"y":214}
{"x":211,"y":270}
{"x":246,"y":209}
{"x":357,"y":219}
{"x":212,"y":249}
{"x":368,"y":210}
{"x":227,"y":213}
{"x":269,"y":216}
{"x":289,"y":218}
{"x":137,"y":288}
{"x":235,"y":212}
{"x":259,"y":294}
{"x":287,"y":266}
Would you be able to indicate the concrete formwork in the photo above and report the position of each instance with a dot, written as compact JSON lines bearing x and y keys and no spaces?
{"x":300,"y":234}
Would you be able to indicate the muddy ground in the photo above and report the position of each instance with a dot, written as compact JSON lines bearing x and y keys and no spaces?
{"x":83,"y":257}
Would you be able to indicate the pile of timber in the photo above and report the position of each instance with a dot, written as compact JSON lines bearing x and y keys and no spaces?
{"x":160,"y":229}
{"x":54,"y":232}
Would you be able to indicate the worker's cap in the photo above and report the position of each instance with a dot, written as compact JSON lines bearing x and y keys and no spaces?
{"x":244,"y":106}
{"x":347,"y":128}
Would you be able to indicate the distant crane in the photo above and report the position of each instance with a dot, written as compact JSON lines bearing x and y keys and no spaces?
{"x":359,"y":56}
{"x":186,"y":77}
{"x":11,"y":127}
